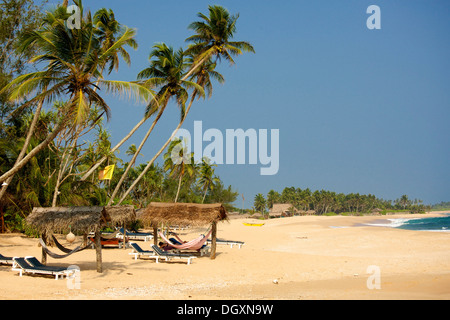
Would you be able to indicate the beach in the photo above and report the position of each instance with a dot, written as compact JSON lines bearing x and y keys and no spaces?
{"x":296,"y":258}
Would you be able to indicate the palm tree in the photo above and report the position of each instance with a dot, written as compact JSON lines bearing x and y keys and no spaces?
{"x":108,"y":29}
{"x":74,"y":59}
{"x":166,"y":70}
{"x":272,"y":198}
{"x":207,"y":178}
{"x":260,"y":203}
{"x":179,"y":163}
{"x":212,"y":39}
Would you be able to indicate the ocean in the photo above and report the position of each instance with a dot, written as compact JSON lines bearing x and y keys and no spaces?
{"x":438,"y":224}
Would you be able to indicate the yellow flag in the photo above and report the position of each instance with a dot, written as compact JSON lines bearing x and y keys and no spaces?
{"x":106,"y":174}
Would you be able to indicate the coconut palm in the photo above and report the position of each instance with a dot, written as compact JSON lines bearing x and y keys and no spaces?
{"x":73,"y":60}
{"x":213,"y":37}
{"x":207,"y":177}
{"x":260,"y":203}
{"x":179,"y":163}
{"x":108,"y":30}
{"x":165,"y":71}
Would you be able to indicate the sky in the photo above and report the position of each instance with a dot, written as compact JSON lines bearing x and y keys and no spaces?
{"x":358,"y":110}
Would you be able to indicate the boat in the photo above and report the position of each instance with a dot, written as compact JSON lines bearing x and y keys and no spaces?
{"x":253,"y":224}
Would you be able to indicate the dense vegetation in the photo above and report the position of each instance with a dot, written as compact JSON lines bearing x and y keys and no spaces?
{"x":328,"y":202}
{"x":441,"y":206}
{"x":53,"y":143}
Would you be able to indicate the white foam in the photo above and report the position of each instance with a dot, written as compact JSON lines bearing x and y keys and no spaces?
{"x":393,"y":223}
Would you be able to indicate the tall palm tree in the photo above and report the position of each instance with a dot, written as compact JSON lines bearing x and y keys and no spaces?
{"x":73,"y":59}
{"x":166,"y":70}
{"x":207,"y":177}
{"x":108,"y":30}
{"x":212,"y":39}
{"x":260,"y":203}
{"x":179,"y":163}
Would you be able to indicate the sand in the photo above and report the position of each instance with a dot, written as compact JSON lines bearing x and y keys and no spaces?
{"x":294,"y":258}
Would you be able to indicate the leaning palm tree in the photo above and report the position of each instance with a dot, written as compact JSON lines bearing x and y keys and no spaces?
{"x":166,"y":70}
{"x":179,"y":163}
{"x":212,"y":39}
{"x":73,"y":60}
{"x":108,"y":31}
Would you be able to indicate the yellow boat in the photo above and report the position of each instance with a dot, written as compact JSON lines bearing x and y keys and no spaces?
{"x":253,"y":224}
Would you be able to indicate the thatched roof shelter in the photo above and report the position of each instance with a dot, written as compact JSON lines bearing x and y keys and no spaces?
{"x":186,"y":214}
{"x":282,"y":209}
{"x":80,"y":219}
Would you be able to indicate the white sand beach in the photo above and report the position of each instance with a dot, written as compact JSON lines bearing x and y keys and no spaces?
{"x":310,"y":257}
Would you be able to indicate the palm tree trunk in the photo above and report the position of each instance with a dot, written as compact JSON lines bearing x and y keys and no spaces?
{"x":33,"y":152}
{"x":117,"y":146}
{"x":24,"y":148}
{"x":158,"y":153}
{"x":179,"y":187}
{"x":124,"y":175}
{"x":204,"y":195}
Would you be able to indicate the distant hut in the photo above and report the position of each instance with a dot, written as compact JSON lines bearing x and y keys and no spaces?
{"x":82,"y":220}
{"x":282,"y":210}
{"x":184,"y":214}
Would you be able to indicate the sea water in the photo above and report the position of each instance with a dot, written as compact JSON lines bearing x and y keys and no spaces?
{"x":437,"y":224}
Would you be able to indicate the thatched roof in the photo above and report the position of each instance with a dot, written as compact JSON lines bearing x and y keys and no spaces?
{"x":182,"y":214}
{"x":80,"y":219}
{"x":120,"y":214}
{"x":279,"y":209}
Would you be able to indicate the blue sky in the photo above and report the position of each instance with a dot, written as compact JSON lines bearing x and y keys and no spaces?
{"x":358,"y":110}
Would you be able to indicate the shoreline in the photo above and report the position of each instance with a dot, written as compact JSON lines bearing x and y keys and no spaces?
{"x":306,"y":256}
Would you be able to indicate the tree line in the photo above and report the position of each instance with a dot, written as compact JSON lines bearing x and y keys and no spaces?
{"x":52,"y":87}
{"x":329,"y":202}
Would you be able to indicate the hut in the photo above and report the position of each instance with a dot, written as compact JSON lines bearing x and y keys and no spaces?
{"x":282,"y":210}
{"x":82,"y":220}
{"x":185,"y":214}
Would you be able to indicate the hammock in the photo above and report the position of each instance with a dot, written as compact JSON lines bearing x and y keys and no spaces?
{"x":59,"y":256}
{"x":195,"y":244}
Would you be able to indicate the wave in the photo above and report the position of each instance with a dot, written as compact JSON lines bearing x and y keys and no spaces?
{"x":437,"y":224}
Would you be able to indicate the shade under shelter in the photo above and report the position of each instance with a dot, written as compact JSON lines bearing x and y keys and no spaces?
{"x":82,"y":220}
{"x":184,"y":214}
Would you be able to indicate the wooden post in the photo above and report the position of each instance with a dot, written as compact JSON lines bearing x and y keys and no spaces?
{"x":124,"y":236}
{"x":44,"y":254}
{"x":98,"y":249}
{"x":155,"y":236}
{"x":213,"y":240}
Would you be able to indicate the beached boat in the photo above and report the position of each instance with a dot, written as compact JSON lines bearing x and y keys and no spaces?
{"x":253,"y":224}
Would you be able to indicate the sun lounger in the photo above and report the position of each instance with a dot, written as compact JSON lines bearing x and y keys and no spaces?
{"x":229,"y":242}
{"x":139,"y":252}
{"x":6,"y":260}
{"x":169,"y":255}
{"x":22,"y":265}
